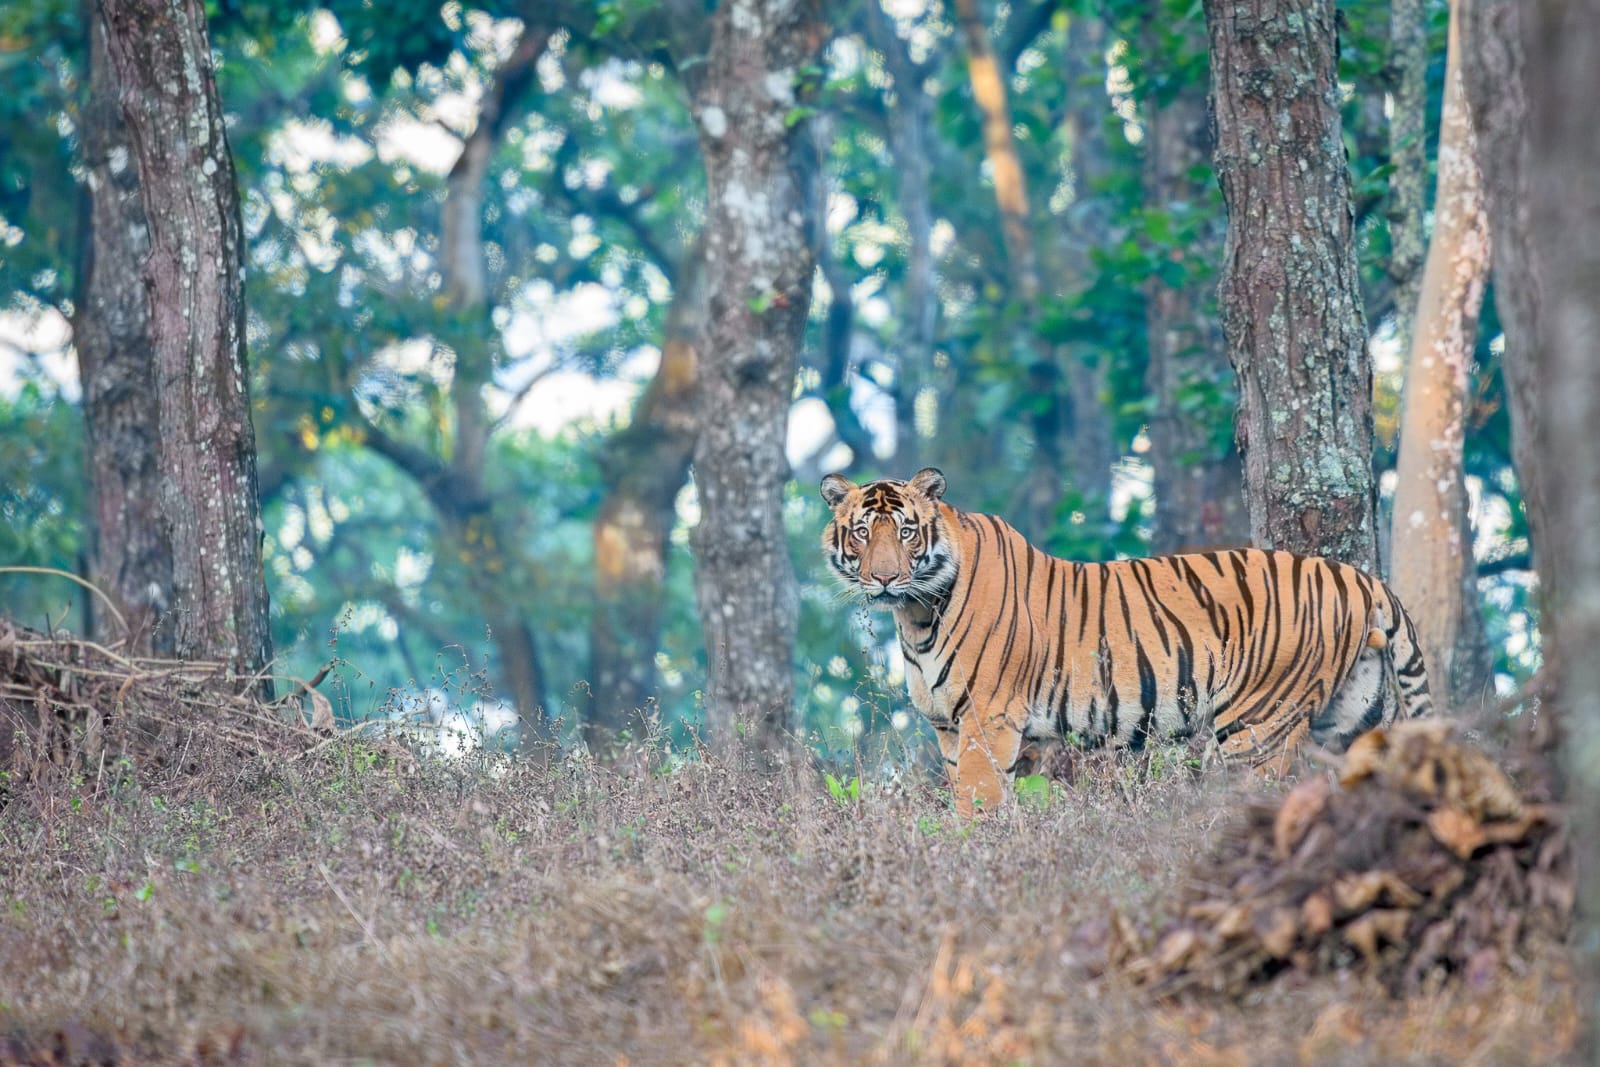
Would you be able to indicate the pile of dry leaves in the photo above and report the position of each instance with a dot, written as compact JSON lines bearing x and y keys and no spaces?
{"x":1422,"y":860}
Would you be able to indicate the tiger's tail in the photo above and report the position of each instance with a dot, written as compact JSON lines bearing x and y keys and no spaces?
{"x":1398,"y":635}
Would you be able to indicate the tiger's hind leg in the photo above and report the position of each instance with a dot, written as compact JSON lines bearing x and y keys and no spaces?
{"x":1365,"y":699}
{"x":1269,"y":747}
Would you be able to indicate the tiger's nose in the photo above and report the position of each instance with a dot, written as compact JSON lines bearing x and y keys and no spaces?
{"x":883,"y":572}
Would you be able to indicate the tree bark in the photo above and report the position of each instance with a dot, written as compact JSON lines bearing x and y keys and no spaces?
{"x":1000,"y":149}
{"x":644,"y":466}
{"x":1044,"y":392}
{"x":1198,"y":486}
{"x":1561,"y":42}
{"x":1494,"y":75}
{"x":470,"y":522}
{"x":194,"y":278}
{"x":759,"y":274}
{"x":1086,"y":367}
{"x":1290,"y":298}
{"x":1430,"y":494}
{"x":1472,"y":662}
{"x":132,"y":550}
{"x":910,"y":143}
{"x":809,"y":162}
{"x":1408,"y":155}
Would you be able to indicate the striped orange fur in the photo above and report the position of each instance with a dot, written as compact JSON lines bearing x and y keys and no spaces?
{"x":1007,"y":647}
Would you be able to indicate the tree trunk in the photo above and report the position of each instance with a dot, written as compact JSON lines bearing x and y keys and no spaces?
{"x":644,"y":465}
{"x":132,"y":554}
{"x":910,"y":143}
{"x":1408,"y":155}
{"x":1086,"y":367}
{"x":1430,"y":495}
{"x":1561,"y":41}
{"x":194,"y":278}
{"x":808,"y":160}
{"x":1290,"y":299}
{"x":1494,"y":74}
{"x":1043,"y":394}
{"x":758,"y":273}
{"x":1000,"y":149}
{"x":470,"y":522}
{"x":1472,"y":662}
{"x":1198,"y":486}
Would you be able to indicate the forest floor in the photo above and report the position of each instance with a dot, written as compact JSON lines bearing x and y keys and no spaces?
{"x":354,"y":905}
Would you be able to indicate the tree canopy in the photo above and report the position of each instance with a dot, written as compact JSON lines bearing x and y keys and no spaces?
{"x":473,"y":232}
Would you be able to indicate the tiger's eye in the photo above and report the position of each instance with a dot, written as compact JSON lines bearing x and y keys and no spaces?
{"x":907,"y":532}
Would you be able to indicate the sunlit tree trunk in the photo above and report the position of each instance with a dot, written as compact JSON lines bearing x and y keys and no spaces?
{"x":132,"y":555}
{"x":1000,"y":150}
{"x":1198,"y":481}
{"x":1430,"y":495}
{"x":1290,"y":298}
{"x":759,"y":268}
{"x":1561,"y":39}
{"x":644,"y":465}
{"x":193,"y":273}
{"x":1044,"y":385}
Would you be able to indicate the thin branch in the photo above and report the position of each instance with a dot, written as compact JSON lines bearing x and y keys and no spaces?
{"x":1023,"y":28}
{"x":556,"y":366}
{"x":1517,"y":561}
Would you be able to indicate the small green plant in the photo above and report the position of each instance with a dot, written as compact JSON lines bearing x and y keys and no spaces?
{"x":829,"y":1021}
{"x":844,"y":791}
{"x":716,"y":915}
{"x":1033,"y":791}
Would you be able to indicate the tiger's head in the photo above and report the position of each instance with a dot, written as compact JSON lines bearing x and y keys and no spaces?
{"x":888,"y":539}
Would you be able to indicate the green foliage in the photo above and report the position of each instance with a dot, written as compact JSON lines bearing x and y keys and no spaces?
{"x":345,"y":119}
{"x":1034,"y":791}
{"x":844,"y":791}
{"x":42,"y":515}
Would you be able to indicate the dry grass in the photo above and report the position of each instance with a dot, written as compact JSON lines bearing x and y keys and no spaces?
{"x":357,"y":906}
{"x":185,"y":878}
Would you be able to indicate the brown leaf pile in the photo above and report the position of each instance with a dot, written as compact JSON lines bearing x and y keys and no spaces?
{"x":1423,"y":860}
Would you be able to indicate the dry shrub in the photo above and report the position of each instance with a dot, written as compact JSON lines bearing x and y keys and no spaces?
{"x":1422,"y":861}
{"x":69,"y":705}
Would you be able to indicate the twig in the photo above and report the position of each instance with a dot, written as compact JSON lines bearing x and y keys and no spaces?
{"x":1540,"y":685}
{"x":59,"y":573}
{"x":366,"y":927}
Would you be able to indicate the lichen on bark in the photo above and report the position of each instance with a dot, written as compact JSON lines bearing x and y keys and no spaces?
{"x":759,"y":267}
{"x":193,"y":274}
{"x":1291,"y":305}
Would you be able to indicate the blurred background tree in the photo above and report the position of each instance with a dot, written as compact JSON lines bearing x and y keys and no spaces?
{"x":476,"y":305}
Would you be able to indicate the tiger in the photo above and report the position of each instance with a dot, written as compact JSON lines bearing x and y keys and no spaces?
{"x":1008,"y":649}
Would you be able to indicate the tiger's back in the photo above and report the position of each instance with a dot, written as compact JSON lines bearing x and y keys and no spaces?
{"x":1006,"y":645}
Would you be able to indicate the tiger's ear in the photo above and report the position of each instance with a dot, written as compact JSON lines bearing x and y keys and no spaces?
{"x":835,"y":488}
{"x":929,"y":481}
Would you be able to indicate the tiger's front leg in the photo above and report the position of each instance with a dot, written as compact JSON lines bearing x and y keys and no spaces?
{"x":987,"y":747}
